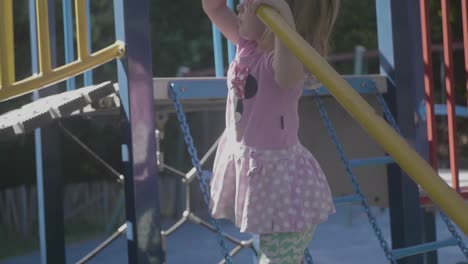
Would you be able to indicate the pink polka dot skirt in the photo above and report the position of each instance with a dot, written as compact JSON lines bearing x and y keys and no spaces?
{"x":269,"y":191}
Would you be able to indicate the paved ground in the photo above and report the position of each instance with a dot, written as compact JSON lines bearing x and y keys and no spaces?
{"x":345,"y":238}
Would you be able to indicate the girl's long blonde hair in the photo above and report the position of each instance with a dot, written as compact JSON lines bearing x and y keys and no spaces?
{"x":314,"y":20}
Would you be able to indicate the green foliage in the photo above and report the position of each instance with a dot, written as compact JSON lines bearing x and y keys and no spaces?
{"x":181,"y":36}
{"x":181,"y":33}
{"x":13,"y":244}
{"x":356,"y":25}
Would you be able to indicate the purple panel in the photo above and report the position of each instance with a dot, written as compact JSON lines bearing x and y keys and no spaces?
{"x":139,"y":143}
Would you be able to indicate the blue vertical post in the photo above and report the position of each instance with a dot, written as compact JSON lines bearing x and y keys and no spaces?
{"x":33,"y":37}
{"x":49,"y":160}
{"x":230,"y":47}
{"x":360,"y":63}
{"x":399,"y":35}
{"x":69,"y":41}
{"x":218,"y":52}
{"x":68,"y":34}
{"x":138,"y":128}
{"x":88,"y":75}
{"x":430,"y":234}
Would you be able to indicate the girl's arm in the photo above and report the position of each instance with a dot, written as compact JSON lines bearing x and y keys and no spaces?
{"x":223,"y":17}
{"x":287,"y":68}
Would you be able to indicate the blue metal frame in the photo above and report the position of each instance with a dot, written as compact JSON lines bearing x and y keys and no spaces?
{"x":418,"y":249}
{"x":399,"y":35}
{"x":68,"y":34}
{"x":138,"y":128}
{"x":360,"y":63}
{"x":218,"y":51}
{"x":33,"y":36}
{"x":216,"y":88}
{"x":37,"y":134}
{"x":371,"y":161}
{"x":441,"y":110}
{"x":218,"y":47}
{"x":88,"y":75}
{"x":353,"y":198}
{"x":230,"y":47}
{"x":399,"y":43}
{"x":48,"y":160}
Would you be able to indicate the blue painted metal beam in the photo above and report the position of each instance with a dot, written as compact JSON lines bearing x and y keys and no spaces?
{"x":218,"y":52}
{"x":49,"y":159}
{"x":410,"y":251}
{"x":441,"y":110}
{"x":216,"y":88}
{"x":69,"y":41}
{"x":399,"y":35}
{"x":33,"y":37}
{"x":138,"y":128}
{"x":347,"y":199}
{"x":88,"y":75}
{"x":68,"y":34}
{"x":371,"y":161}
{"x":37,"y":135}
{"x":230,"y":47}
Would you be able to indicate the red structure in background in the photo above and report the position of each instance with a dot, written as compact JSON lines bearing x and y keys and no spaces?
{"x":449,"y":87}
{"x":465,"y":39}
{"x":450,"y":93}
{"x":429,"y":83}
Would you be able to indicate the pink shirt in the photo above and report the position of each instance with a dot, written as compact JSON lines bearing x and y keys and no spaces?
{"x":264,"y":180}
{"x":258,"y":111}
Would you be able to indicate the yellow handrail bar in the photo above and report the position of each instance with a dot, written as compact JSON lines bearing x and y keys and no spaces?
{"x":46,"y":76}
{"x":408,"y":159}
{"x":43,"y":36}
{"x":7,"y":52}
{"x":64,"y":72}
{"x":81,"y":29}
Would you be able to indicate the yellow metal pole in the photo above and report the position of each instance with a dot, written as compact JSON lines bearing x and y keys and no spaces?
{"x":64,"y":72}
{"x":7,"y":51}
{"x":408,"y":159}
{"x":81,"y":29}
{"x":43,"y":36}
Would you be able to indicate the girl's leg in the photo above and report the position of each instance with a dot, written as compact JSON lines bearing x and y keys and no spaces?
{"x":284,"y":248}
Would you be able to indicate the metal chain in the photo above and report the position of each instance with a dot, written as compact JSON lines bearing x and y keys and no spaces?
{"x":118,"y":176}
{"x":308,"y":256}
{"x":454,"y":233}
{"x":447,"y":221}
{"x":387,"y":113}
{"x":357,"y":188}
{"x":383,"y":243}
{"x":196,"y":163}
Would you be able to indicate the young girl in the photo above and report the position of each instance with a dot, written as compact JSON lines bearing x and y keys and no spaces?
{"x":264,"y":180}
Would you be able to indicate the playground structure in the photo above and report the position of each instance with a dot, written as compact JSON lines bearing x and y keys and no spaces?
{"x":139,"y":93}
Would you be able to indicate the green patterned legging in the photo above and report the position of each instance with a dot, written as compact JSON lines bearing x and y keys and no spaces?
{"x":284,"y":248}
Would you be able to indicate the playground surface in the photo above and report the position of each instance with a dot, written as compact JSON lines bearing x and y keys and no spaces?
{"x":463,"y":177}
{"x":346,"y":238}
